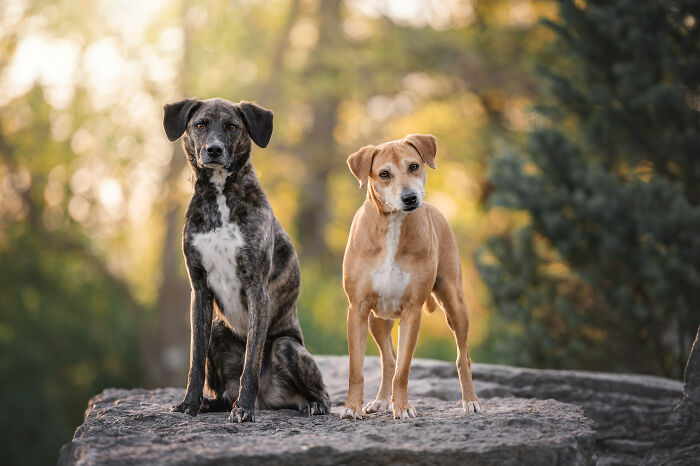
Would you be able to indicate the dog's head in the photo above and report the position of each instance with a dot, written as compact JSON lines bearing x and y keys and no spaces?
{"x":217,"y":133}
{"x":396,"y":171}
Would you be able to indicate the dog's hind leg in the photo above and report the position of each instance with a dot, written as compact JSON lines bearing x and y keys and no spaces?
{"x":451,"y":298}
{"x":381,"y":332}
{"x":224,"y":368}
{"x":291,"y":379}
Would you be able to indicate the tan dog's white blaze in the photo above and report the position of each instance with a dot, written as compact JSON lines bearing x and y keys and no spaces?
{"x":400,"y":250}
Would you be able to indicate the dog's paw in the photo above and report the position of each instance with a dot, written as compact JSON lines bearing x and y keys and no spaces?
{"x":471,"y":406}
{"x":377,"y":406}
{"x":241,"y":415}
{"x":187,"y":407}
{"x":313,"y":408}
{"x":351,"y":413}
{"x":210,"y":405}
{"x":406,"y":412}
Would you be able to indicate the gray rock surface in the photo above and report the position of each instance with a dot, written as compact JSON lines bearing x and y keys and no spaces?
{"x":627,"y":410}
{"x":679,"y":439}
{"x":521,"y":424}
{"x":135,"y":427}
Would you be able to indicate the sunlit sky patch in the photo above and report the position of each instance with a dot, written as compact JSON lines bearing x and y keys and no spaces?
{"x":53,"y":62}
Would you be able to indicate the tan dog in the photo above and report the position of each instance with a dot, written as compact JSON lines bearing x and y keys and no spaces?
{"x":400,"y":250}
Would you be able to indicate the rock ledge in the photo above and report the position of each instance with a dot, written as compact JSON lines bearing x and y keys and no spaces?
{"x":628,"y":411}
{"x":135,"y":427}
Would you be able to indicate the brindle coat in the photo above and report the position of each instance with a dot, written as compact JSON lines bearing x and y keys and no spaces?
{"x":243,"y":270}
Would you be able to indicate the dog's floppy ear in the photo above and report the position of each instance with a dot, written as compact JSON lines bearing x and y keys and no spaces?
{"x":258,"y":122}
{"x":361,"y":162}
{"x":176,"y":116}
{"x":426,"y":145}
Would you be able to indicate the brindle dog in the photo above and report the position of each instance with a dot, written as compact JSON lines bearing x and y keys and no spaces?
{"x":243,"y":270}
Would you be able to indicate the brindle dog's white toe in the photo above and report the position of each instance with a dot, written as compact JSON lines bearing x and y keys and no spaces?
{"x":241,"y":415}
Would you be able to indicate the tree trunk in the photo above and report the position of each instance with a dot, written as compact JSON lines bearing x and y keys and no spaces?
{"x":172,"y":307}
{"x":173,"y":297}
{"x":318,"y":149}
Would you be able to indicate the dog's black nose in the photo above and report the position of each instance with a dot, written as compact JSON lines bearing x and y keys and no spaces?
{"x":215,"y":150}
{"x":409,"y":199}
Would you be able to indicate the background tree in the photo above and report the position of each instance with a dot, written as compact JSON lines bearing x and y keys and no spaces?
{"x":69,"y":326}
{"x":606,"y":272}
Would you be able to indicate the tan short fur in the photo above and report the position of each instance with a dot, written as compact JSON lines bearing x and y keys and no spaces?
{"x":379,"y":289}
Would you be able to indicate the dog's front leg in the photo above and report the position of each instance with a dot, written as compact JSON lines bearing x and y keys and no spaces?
{"x":258,"y":324}
{"x":358,"y":316}
{"x":409,"y":326}
{"x":201,"y":308}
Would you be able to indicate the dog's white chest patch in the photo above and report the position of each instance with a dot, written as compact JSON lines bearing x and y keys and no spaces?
{"x":219,"y":249}
{"x":388,"y":280}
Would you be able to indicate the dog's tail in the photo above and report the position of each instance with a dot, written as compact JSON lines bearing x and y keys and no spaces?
{"x":430,"y":304}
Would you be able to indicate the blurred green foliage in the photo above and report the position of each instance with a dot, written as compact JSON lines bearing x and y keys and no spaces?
{"x":65,"y":329}
{"x":606,"y":274}
{"x":64,"y":337}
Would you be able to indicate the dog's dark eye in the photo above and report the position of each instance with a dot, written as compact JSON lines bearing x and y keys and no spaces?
{"x":413,"y":167}
{"x":233,"y":128}
{"x":384,"y":174}
{"x":200,"y":126}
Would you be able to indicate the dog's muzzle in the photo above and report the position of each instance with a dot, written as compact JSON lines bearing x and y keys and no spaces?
{"x":214,"y":156}
{"x":410,"y":201}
